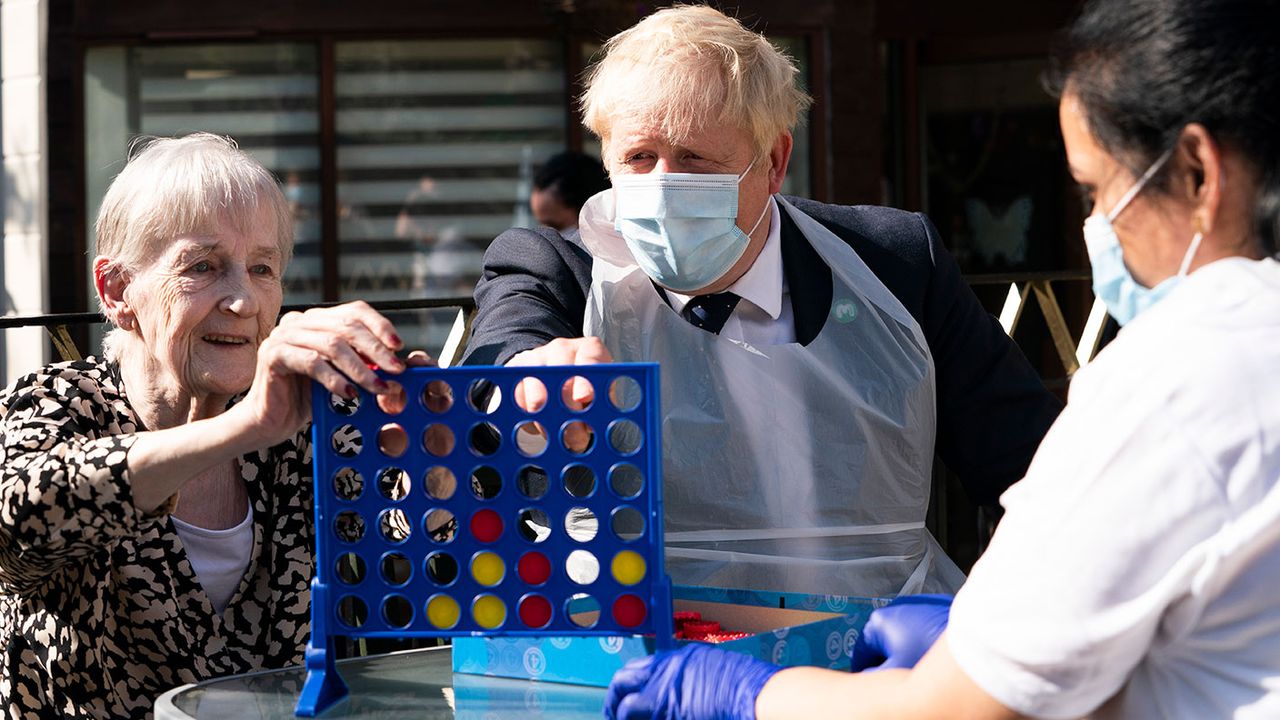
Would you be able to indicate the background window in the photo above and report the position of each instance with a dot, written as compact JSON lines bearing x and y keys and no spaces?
{"x":264,"y":95}
{"x":437,"y":142}
{"x":994,"y":186}
{"x":435,"y":145}
{"x":797,"y":181}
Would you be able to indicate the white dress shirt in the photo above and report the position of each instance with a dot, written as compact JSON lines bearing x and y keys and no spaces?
{"x":764,"y":316}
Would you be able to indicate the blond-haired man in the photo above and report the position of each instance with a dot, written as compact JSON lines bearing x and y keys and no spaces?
{"x":810,"y":353}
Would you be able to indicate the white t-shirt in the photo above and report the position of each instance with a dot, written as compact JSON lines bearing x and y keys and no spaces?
{"x":219,"y":557}
{"x":1136,"y":573}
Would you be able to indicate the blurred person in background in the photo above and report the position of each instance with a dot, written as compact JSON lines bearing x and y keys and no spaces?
{"x":562,"y":186}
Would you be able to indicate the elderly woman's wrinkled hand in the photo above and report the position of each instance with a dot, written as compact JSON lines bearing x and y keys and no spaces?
{"x":392,"y":438}
{"x":334,"y":346}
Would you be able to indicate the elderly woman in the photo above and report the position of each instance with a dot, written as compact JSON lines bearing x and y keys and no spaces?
{"x":1134,"y":574}
{"x":156,"y":503}
{"x":811,"y":354}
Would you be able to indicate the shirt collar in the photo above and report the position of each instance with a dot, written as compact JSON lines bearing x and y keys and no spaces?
{"x":762,"y":283}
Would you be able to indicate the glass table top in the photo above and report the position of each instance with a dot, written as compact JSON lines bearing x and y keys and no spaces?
{"x":409,"y":684}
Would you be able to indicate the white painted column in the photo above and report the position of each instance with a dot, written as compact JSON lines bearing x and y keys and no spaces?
{"x":24,"y":146}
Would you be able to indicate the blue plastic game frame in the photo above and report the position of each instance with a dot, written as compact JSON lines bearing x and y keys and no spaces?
{"x":481,"y":412}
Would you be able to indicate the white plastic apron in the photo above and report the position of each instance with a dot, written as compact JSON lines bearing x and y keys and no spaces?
{"x":787,"y":467}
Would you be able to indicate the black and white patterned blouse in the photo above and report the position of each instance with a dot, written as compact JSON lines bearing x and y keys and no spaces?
{"x":100,"y":611}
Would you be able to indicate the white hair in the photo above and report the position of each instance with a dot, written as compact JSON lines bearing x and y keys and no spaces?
{"x":190,"y":185}
{"x":692,"y":67}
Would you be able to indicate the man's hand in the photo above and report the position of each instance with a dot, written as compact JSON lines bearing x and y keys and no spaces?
{"x":577,"y":394}
{"x":531,"y":396}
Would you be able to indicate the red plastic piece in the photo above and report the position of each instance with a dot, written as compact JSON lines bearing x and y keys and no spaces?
{"x":534,"y":568}
{"x":486,"y":526}
{"x":725,"y":637}
{"x":629,"y":611}
{"x":683,"y":616}
{"x":535,"y":612}
{"x":698,"y":630}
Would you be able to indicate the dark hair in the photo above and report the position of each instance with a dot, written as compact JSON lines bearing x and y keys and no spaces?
{"x":1144,"y":69}
{"x":573,"y":177}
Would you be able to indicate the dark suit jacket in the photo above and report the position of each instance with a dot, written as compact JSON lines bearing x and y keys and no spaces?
{"x":992,"y":408}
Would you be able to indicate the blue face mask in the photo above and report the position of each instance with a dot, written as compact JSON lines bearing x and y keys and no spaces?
{"x":681,"y":228}
{"x":1112,"y":282}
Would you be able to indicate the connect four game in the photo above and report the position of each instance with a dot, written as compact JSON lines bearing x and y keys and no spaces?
{"x":487,"y":501}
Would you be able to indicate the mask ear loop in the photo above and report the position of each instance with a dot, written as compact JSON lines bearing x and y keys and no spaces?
{"x":1191,"y":253}
{"x":1137,"y":187}
{"x":759,"y":220}
{"x":763,"y":212}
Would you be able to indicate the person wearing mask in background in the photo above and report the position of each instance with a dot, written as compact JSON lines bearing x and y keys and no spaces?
{"x":1134,"y":572}
{"x":562,"y":187}
{"x":810,"y":353}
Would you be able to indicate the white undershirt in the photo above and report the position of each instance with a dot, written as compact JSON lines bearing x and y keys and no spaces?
{"x":765,"y":318}
{"x":219,"y":557}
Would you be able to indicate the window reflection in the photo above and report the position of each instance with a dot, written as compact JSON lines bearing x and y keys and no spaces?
{"x":437,"y":145}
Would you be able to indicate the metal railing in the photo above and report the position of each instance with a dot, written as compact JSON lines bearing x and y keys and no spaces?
{"x":1074,"y":353}
{"x":58,"y":325}
{"x":1023,"y":287}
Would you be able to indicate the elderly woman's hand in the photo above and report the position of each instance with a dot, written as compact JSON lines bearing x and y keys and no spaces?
{"x":334,"y":346}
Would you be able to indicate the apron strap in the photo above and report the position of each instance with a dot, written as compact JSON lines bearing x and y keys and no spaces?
{"x":788,"y":533}
{"x":915,"y":583}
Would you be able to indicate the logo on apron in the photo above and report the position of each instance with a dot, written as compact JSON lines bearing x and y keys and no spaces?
{"x":844,"y":310}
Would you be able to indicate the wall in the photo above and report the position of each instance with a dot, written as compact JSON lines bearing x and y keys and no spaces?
{"x":24,"y":148}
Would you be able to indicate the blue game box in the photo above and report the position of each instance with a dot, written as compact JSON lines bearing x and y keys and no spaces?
{"x":787,"y":629}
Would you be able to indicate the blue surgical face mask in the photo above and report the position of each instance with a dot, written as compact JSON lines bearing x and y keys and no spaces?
{"x":1124,"y":297}
{"x":681,"y":228}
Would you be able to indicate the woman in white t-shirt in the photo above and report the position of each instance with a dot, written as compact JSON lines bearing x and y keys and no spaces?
{"x":1134,"y":574}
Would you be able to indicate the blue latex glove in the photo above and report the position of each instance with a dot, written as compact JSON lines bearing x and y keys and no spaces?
{"x":900,"y":633}
{"x":697,"y":682}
